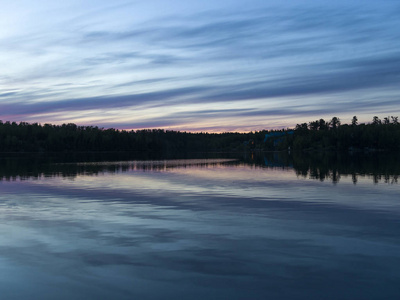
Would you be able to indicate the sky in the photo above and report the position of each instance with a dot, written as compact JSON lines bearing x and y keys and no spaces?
{"x":215,"y":66}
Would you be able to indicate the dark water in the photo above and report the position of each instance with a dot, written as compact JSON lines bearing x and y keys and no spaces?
{"x":223,"y":227}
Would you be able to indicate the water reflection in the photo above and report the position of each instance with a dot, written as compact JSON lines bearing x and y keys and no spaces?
{"x":248,"y":228}
{"x":332,"y":166}
{"x":379,"y":167}
{"x":23,"y":167}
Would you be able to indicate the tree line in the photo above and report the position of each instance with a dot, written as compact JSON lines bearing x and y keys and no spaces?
{"x":333,"y":135}
{"x":316,"y":135}
{"x":25,"y":137}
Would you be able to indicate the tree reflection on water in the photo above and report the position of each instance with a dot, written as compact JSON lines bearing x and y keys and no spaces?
{"x":322,"y":166}
{"x":382,"y":166}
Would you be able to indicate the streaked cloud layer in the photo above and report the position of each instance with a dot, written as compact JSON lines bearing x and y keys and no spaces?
{"x":198,"y":66}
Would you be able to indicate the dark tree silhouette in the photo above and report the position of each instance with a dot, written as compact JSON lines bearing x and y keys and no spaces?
{"x":354,"y":121}
{"x":334,"y":123}
{"x":25,"y":137}
{"x":376,"y":120}
{"x":386,"y":120}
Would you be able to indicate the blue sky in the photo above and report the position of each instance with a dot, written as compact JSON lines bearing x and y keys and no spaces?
{"x":198,"y":65}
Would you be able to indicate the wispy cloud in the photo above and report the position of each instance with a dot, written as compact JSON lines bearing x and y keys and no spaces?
{"x":267,"y":62}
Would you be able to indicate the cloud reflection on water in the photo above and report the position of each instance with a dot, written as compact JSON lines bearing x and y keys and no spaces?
{"x":221,"y":231}
{"x":380,"y":167}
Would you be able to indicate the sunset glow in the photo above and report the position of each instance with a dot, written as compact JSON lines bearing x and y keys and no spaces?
{"x":198,"y":65}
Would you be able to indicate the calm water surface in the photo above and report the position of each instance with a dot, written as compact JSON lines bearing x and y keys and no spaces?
{"x":197,"y":229}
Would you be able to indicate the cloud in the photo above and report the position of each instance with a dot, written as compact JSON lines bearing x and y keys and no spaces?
{"x":286,"y":27}
{"x":279,"y":58}
{"x":124,"y":57}
{"x":8,"y":94}
{"x":105,"y":102}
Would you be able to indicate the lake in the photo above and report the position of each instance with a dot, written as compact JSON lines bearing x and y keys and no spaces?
{"x":243,"y":226}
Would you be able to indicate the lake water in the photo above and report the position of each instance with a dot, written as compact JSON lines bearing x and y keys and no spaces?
{"x":260,"y":227}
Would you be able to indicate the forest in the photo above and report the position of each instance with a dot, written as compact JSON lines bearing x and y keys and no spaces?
{"x":332,"y":135}
{"x":319,"y":135}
